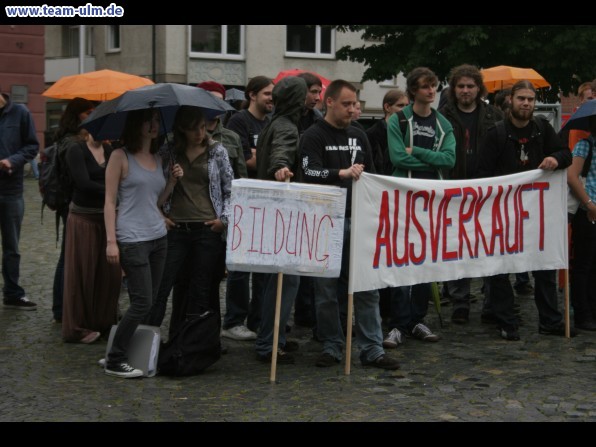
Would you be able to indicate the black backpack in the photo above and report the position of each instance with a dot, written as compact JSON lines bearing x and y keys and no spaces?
{"x":55,"y":183}
{"x":194,"y":347}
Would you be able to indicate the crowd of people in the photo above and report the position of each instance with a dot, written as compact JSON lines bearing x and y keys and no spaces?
{"x":159,"y":215}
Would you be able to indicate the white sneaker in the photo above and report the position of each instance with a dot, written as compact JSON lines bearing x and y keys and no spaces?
{"x":422,"y":332}
{"x":394,"y":339}
{"x":102,"y":363}
{"x":239,"y":333}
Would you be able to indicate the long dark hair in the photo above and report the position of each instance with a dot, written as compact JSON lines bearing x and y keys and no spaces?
{"x":187,"y":118}
{"x":255,"y":85}
{"x":131,"y":135}
{"x":69,"y":122}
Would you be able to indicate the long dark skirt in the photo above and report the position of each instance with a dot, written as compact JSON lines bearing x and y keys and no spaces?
{"x":91,"y":284}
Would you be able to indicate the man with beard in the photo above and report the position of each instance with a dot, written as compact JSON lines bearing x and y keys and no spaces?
{"x":253,"y":118}
{"x":248,"y":124}
{"x":470,"y":117}
{"x":520,"y":143}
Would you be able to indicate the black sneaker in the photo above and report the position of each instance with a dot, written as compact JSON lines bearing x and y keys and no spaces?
{"x":325,"y":360}
{"x":283,"y":358}
{"x":556,"y":330}
{"x":123,"y":370}
{"x":21,"y":303}
{"x":525,"y":289}
{"x":589,"y":325}
{"x":460,"y":316}
{"x":509,"y":333}
{"x":291,"y":346}
{"x":487,"y":318}
{"x":383,"y":362}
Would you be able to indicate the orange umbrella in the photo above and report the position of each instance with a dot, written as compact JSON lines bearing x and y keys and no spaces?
{"x":95,"y":86}
{"x":295,"y":71}
{"x":502,"y":77}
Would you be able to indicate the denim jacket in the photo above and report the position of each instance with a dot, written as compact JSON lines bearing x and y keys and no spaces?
{"x":18,"y":144}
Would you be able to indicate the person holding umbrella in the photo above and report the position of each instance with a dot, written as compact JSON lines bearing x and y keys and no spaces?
{"x":200,"y":208}
{"x":136,"y":233}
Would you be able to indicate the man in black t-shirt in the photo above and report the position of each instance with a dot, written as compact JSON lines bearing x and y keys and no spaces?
{"x":471,"y":118}
{"x":249,"y":122}
{"x":335,"y":153}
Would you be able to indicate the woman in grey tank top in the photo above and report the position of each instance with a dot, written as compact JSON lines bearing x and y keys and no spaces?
{"x":136,"y":232}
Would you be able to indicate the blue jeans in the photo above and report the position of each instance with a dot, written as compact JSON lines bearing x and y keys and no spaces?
{"x":198,"y":248}
{"x":239,"y":305}
{"x":289,"y":290}
{"x":409,"y":306}
{"x":369,"y":335}
{"x":12,"y":210}
{"x":143,"y":263}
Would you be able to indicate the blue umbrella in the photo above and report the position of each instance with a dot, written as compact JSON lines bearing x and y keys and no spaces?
{"x":581,"y":118}
{"x":108,"y":119}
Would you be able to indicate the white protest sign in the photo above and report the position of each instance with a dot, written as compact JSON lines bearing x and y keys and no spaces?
{"x":292,"y":228}
{"x":411,"y":231}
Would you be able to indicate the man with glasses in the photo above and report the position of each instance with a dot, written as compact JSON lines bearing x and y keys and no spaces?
{"x":471,"y":118}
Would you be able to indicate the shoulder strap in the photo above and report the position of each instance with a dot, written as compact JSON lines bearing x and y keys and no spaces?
{"x":403,"y":123}
{"x":588,"y":161}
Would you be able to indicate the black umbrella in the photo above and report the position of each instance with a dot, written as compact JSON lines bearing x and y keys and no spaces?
{"x":235,"y":94}
{"x":107,"y":120}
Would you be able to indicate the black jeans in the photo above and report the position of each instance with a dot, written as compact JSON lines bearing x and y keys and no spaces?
{"x":143,"y":263}
{"x":583,"y":268}
{"x":545,"y":296}
{"x":199,"y":248}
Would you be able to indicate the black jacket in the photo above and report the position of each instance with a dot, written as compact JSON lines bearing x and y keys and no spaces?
{"x":487,"y":118}
{"x":500,"y":157}
{"x":377,"y":137}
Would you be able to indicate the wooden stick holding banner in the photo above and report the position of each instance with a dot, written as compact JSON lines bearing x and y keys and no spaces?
{"x":280,"y":280}
{"x":566,"y":291}
{"x":351,"y":284}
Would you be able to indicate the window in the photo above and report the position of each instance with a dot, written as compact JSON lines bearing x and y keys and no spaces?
{"x":310,"y":40}
{"x":217,"y":41}
{"x":112,"y":38}
{"x":70,"y":40}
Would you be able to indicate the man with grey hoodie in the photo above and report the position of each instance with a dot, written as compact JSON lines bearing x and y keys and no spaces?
{"x":277,"y":159}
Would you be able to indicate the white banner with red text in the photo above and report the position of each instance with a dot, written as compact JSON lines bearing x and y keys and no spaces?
{"x":292,"y":228}
{"x":412,"y":231}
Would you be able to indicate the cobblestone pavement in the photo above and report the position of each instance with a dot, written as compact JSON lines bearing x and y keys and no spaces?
{"x":470,"y":375}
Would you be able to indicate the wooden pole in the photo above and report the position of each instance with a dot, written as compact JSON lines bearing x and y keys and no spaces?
{"x":280,"y":279}
{"x":349,"y":333}
{"x":566,"y":289}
